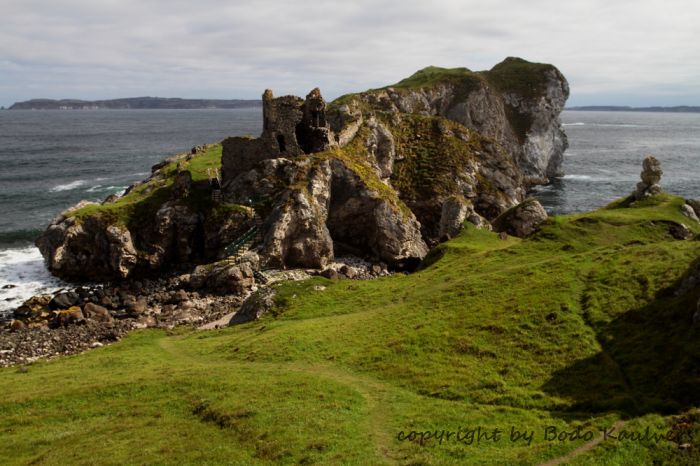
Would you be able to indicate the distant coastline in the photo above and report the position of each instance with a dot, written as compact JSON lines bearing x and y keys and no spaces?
{"x":145,"y":103}
{"x":617,"y":108}
{"x":174,"y":103}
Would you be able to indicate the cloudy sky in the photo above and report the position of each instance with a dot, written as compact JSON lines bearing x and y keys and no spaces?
{"x":643,"y":52}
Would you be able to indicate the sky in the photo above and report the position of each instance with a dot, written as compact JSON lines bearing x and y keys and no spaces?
{"x":617,"y":52}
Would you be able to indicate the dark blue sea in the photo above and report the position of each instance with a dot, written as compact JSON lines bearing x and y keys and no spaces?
{"x":605,"y":156}
{"x":49,"y":160}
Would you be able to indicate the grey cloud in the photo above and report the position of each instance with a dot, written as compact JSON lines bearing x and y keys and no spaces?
{"x":644,"y":50}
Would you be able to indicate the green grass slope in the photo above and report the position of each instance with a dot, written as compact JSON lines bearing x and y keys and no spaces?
{"x":139,"y":206}
{"x":576,"y":327}
{"x":137,"y":209}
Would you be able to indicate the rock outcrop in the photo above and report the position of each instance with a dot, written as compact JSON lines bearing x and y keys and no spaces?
{"x":516,"y":104}
{"x":651,"y":176}
{"x":378,"y":175}
{"x":692,"y":208}
{"x":322,"y":202}
{"x":255,"y":306}
{"x":297,"y":235}
{"x":87,"y":248}
{"x":522,"y":220}
{"x":365,"y":223}
{"x":225,"y":276}
{"x":455,"y":211}
{"x":689,"y":212}
{"x":94,"y":247}
{"x":163,"y":223}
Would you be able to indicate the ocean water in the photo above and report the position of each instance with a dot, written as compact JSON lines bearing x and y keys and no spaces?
{"x":49,"y":160}
{"x":605,"y":156}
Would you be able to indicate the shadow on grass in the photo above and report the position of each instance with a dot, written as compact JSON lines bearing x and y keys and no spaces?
{"x":650,"y":362}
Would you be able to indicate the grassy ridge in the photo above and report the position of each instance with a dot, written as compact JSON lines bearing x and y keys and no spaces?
{"x":575,"y":327}
{"x":513,"y":75}
{"x":138,"y":207}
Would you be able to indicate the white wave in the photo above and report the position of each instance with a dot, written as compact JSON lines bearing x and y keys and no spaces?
{"x":118,"y":190}
{"x":68,"y":186}
{"x":618,"y":125}
{"x":99,"y":188}
{"x":542,"y":188}
{"x":24,"y":271}
{"x":577,"y":177}
{"x":578,"y":123}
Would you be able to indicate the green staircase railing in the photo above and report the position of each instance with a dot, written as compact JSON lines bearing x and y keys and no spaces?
{"x":244,"y":240}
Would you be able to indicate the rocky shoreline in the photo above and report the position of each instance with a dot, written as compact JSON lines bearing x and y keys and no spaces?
{"x":357,"y":188}
{"x":233,"y":291}
{"x":84,"y":317}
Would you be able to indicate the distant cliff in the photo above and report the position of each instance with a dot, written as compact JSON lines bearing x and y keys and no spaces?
{"x":617,"y":108}
{"x":132,"y":103}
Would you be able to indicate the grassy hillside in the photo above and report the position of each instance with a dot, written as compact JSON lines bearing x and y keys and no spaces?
{"x":574,"y":327}
{"x":139,"y":205}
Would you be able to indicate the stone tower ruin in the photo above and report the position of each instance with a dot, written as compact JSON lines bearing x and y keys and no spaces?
{"x":292,"y":126}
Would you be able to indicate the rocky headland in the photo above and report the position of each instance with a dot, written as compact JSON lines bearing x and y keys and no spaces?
{"x":357,"y":188}
{"x":367,"y":175}
{"x":485,"y":307}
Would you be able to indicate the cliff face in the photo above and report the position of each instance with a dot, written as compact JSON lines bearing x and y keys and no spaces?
{"x":165,"y":222}
{"x":516,"y":104}
{"x":382,"y":174}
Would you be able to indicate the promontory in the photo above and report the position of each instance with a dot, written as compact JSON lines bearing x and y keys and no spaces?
{"x":383,"y":175}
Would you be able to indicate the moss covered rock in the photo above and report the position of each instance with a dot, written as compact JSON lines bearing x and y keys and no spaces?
{"x":522,"y":220}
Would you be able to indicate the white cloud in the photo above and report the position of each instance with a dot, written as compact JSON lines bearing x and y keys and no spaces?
{"x":641,"y":52}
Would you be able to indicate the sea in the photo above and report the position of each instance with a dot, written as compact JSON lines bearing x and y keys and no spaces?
{"x":49,"y":160}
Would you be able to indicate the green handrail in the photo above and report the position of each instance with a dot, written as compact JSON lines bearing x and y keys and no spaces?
{"x":234,"y":247}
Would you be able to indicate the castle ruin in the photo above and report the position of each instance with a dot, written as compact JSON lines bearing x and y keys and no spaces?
{"x":291,"y":127}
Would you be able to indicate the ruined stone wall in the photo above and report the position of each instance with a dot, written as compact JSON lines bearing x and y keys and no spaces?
{"x":291,"y":127}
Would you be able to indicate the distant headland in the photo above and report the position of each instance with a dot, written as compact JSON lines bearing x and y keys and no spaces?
{"x":133,"y":103}
{"x":617,"y":108}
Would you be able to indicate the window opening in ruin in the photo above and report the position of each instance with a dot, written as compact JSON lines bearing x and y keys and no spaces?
{"x":280,"y":142}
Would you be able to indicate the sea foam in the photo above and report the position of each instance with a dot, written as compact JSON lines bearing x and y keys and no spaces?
{"x":23,"y":275}
{"x":68,"y":186}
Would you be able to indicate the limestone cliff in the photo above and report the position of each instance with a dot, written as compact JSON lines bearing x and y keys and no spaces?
{"x":381,"y":174}
{"x":515,"y":104}
{"x":483,"y":137}
{"x":165,"y":222}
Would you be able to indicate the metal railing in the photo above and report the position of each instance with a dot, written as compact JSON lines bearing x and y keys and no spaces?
{"x":243,"y":240}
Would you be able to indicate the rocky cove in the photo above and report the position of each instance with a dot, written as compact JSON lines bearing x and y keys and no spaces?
{"x":357,"y":188}
{"x":90,"y":316}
